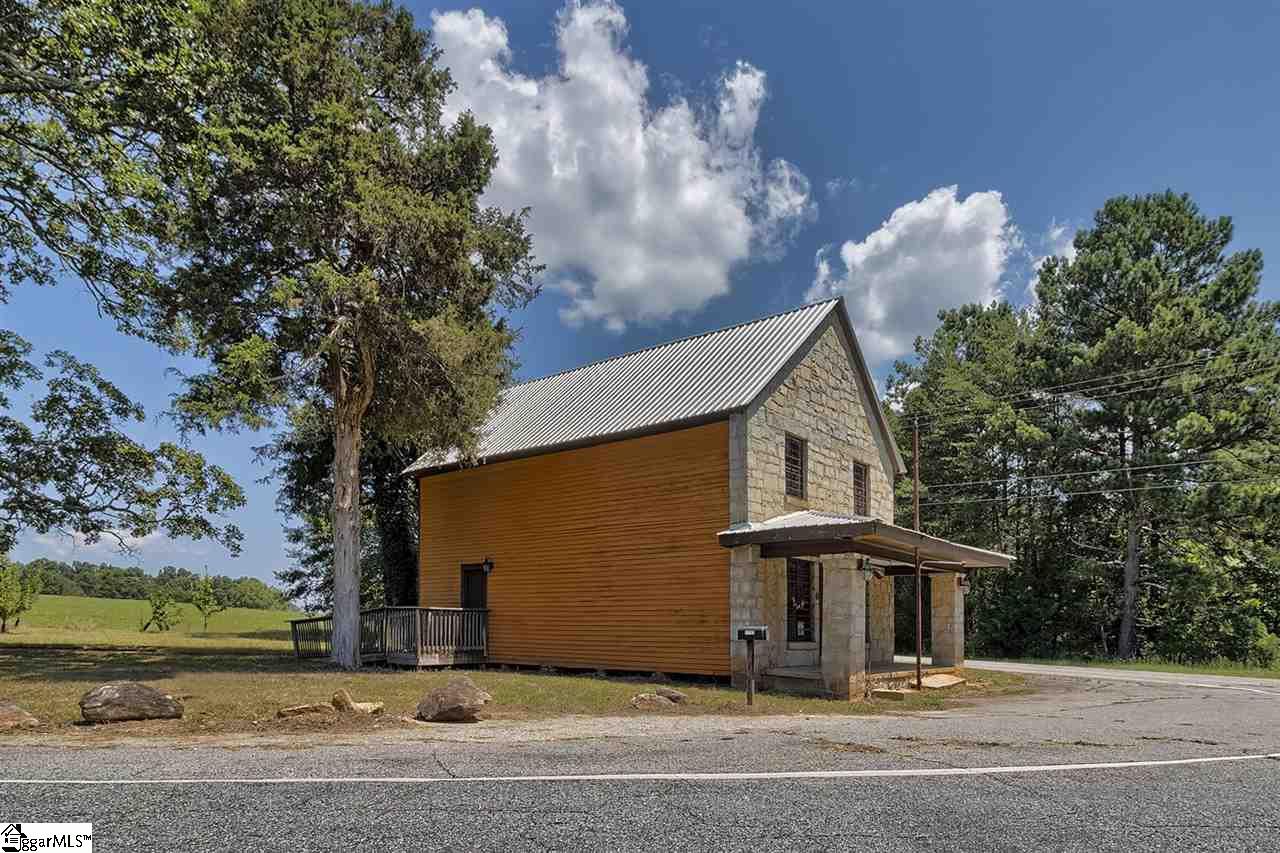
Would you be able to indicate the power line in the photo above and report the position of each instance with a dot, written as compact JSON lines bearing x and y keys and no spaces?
{"x":1055,"y":476}
{"x":1238,"y":371}
{"x":1064,"y":388}
{"x":1162,"y":391}
{"x":1056,"y":495}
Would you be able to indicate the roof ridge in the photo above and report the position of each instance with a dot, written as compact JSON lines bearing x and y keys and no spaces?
{"x":731,"y":326}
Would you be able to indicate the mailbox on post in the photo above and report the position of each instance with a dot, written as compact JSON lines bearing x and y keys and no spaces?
{"x":751,"y":634}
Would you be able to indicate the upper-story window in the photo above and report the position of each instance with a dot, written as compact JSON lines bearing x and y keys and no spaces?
{"x":797,"y":452}
{"x":860,"y":502}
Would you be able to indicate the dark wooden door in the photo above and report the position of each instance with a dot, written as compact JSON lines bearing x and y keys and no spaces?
{"x":475,"y":587}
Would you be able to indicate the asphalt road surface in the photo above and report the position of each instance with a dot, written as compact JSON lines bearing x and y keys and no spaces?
{"x":1082,"y":765}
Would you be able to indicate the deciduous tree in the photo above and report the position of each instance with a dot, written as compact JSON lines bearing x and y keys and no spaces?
{"x":338,"y":252}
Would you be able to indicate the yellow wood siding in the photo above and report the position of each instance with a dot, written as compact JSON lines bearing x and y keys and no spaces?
{"x":603,"y":556}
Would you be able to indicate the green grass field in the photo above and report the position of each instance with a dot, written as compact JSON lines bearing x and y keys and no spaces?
{"x":74,"y":621}
{"x":240,"y":693}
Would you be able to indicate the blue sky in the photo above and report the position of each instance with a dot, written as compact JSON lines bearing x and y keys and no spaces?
{"x":694,"y":165}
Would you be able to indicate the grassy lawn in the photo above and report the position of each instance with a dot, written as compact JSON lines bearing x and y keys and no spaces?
{"x":75,"y":621}
{"x":1221,"y":667}
{"x":241,"y":693}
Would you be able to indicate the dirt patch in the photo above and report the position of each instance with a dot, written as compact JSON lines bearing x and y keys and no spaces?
{"x":1196,"y":740}
{"x":960,"y":743}
{"x":845,"y":746}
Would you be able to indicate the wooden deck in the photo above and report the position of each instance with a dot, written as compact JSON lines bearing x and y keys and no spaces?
{"x":404,"y":636}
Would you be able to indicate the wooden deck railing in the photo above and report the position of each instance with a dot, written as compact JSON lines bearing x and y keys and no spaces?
{"x":413,"y":636}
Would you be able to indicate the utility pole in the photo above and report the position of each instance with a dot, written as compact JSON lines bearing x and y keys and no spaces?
{"x":915,"y":506}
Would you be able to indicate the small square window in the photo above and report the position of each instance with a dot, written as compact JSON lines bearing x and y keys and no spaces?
{"x":797,"y":452}
{"x":860,"y":503}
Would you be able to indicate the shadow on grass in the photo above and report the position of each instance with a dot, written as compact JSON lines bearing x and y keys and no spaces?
{"x":262,"y":634}
{"x":70,"y":664}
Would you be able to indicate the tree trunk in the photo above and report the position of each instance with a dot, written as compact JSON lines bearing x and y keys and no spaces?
{"x":1127,"y":647}
{"x":346,"y":532}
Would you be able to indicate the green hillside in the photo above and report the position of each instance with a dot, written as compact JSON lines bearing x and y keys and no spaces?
{"x":66,"y":620}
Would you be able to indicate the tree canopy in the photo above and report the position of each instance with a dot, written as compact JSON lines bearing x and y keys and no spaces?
{"x":1118,"y":437}
{"x":336,"y":252}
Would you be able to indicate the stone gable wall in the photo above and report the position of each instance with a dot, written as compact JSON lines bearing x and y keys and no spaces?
{"x":819,"y":401}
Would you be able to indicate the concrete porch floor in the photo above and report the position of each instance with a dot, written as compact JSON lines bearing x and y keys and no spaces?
{"x":808,"y":679}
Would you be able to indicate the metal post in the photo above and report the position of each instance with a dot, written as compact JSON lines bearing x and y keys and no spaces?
{"x":751,"y":670}
{"x":915,"y":473}
{"x":915,"y":506}
{"x":919,"y":617}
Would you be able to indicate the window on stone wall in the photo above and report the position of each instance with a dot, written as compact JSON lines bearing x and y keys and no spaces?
{"x":797,"y":452}
{"x":860,"y":502}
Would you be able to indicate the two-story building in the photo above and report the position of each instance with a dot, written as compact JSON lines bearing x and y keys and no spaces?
{"x":629,"y":514}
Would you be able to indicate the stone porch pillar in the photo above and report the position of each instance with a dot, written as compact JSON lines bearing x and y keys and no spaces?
{"x":747,"y":607}
{"x":947,"y":615}
{"x":844,"y":593}
{"x":880,"y":617}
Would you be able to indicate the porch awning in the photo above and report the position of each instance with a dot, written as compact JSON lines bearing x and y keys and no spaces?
{"x":809,"y":533}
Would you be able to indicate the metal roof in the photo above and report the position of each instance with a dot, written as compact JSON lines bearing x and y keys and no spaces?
{"x":813,"y":533}
{"x":682,"y":382}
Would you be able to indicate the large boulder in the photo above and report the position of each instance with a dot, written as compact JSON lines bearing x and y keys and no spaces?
{"x":343,"y":702}
{"x":128,"y":700}
{"x":13,"y":717}
{"x":651,"y":702}
{"x":459,"y":701}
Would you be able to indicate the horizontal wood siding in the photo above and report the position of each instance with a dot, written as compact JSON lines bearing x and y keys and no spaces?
{"x":603,"y":556}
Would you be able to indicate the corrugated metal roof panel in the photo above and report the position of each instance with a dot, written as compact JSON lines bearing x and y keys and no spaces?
{"x":684,"y":380}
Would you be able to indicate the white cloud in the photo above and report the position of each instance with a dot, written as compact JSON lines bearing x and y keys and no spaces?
{"x":639,"y":211}
{"x":1057,"y":241}
{"x":113,"y":543}
{"x":839,"y":186}
{"x":938,"y":252}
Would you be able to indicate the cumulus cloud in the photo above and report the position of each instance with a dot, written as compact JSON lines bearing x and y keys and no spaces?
{"x":640,"y":211}
{"x":938,"y":252}
{"x":1056,"y":241}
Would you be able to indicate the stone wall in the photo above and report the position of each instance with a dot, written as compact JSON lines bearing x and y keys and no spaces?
{"x":822,"y":401}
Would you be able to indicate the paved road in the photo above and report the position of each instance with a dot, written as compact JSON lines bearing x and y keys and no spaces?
{"x":435,"y":787}
{"x":1262,"y":686}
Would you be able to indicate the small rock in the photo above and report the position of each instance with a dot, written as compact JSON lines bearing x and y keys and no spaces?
{"x":651,"y":702}
{"x":342,"y":702}
{"x":13,"y":717}
{"x":299,"y":710}
{"x":672,"y":694}
{"x":459,"y":701}
{"x":368,"y":707}
{"x":128,"y":700}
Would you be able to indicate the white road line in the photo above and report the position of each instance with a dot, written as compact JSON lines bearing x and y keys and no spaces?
{"x":657,"y":777}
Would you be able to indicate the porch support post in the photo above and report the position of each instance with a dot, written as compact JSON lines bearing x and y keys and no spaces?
{"x":746,"y":607}
{"x":947,"y":619}
{"x":844,"y":654}
{"x":881,"y":619}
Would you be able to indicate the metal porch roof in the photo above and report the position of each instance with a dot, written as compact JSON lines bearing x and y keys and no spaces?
{"x":685,"y":381}
{"x":812,"y":533}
